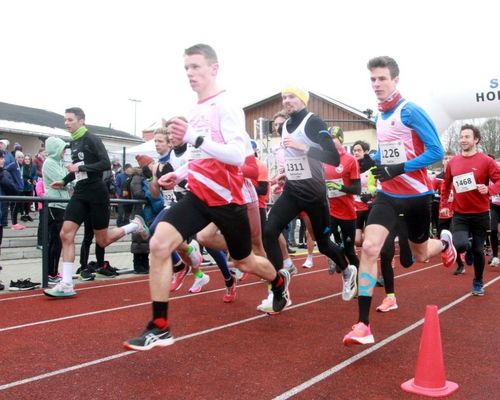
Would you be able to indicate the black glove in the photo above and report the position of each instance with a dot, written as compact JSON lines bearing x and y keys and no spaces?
{"x":386,"y":172}
{"x":146,"y":172}
{"x":366,"y":197}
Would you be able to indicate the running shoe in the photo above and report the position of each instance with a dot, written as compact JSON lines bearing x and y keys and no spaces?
{"x":205,"y":262}
{"x":449,"y":255}
{"x":107,"y":265}
{"x":477,"y":288}
{"x":267,"y":304}
{"x":54,"y":280}
{"x":460,"y":270}
{"x":230,"y":294}
{"x":360,"y":334}
{"x":178,"y":278}
{"x":236,"y":272}
{"x":142,"y":227}
{"x":61,"y":290}
{"x":349,"y":282}
{"x":332,"y":267}
{"x":152,"y":337}
{"x":388,"y":304}
{"x":194,"y":254}
{"x":86,"y":275}
{"x":308,"y":263}
{"x":494,"y":262}
{"x":281,"y":294}
{"x":105,"y":272}
{"x":292,"y":269}
{"x":23,"y":285}
{"x":199,"y":283}
{"x":17,"y":227}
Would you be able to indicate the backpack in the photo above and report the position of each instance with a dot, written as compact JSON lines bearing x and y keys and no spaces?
{"x":109,"y":180}
{"x":136,"y":191}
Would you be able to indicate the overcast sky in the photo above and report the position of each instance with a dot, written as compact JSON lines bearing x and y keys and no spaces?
{"x":99,"y":54}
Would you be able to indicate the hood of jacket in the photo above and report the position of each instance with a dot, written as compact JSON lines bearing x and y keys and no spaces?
{"x":54,"y":147}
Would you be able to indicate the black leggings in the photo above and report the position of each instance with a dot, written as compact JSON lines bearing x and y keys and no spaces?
{"x":287,"y":207}
{"x":476,"y":226}
{"x":495,"y":219}
{"x":56,"y":219}
{"x":348,"y":232}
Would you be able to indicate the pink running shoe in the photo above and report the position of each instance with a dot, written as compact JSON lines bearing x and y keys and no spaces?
{"x":230,"y":294}
{"x":17,"y":227}
{"x":388,"y":304}
{"x":178,"y":278}
{"x":448,"y":256}
{"x":360,"y":334}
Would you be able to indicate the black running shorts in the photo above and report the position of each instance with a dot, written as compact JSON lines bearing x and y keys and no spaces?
{"x":416,"y":210}
{"x":191,"y":215}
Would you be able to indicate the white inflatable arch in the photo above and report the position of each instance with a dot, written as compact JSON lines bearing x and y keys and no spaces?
{"x":458,"y":99}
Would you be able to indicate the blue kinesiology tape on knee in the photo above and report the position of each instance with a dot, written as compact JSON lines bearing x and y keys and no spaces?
{"x":363,"y":289}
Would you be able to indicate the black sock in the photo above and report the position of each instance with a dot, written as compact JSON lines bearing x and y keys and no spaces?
{"x":160,"y":310}
{"x":364,"y":303}
{"x":277,"y":282}
{"x":229,"y":282}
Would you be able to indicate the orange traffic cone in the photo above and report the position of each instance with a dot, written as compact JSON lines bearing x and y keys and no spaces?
{"x":430,"y":379}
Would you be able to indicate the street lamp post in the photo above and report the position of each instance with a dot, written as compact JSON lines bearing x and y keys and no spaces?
{"x":135,"y":114}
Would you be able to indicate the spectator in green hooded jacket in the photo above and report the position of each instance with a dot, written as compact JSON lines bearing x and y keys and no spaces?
{"x":53,"y":170}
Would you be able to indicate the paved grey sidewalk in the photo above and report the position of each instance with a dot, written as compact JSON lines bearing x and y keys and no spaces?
{"x":32,"y":268}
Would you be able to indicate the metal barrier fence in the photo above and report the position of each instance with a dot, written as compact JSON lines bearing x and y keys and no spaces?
{"x":45,"y":222}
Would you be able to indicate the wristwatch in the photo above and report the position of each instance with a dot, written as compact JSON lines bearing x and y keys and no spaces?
{"x":199,"y":141}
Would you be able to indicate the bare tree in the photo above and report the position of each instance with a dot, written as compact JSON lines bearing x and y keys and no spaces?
{"x":490,"y":136}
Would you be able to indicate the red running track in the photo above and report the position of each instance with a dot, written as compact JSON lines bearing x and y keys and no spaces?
{"x":71,"y":348}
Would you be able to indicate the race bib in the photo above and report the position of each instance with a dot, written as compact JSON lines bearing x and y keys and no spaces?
{"x":80,"y":175}
{"x":297,"y":168}
{"x":392,"y":152}
{"x":464,"y":183}
{"x":168,"y":197}
{"x":334,"y":192}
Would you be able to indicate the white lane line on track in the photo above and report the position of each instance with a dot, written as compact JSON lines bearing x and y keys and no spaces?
{"x":210,"y":269}
{"x":87,"y":314}
{"x":189,"y":336}
{"x":326,"y":374}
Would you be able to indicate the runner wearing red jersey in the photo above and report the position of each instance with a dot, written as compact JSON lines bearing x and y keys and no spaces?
{"x":467,"y":175}
{"x":342,"y":183}
{"x":218,"y":142}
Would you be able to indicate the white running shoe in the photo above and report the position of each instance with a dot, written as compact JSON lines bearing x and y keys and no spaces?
{"x":142,"y":227}
{"x":292,"y":269}
{"x":494,"y":262}
{"x":267,"y":304}
{"x":199,"y":283}
{"x":61,"y":290}
{"x":308,"y":263}
{"x":349,"y":282}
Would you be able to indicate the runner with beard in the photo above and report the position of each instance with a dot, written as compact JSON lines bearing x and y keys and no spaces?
{"x":473,"y":177}
{"x":306,"y":144}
